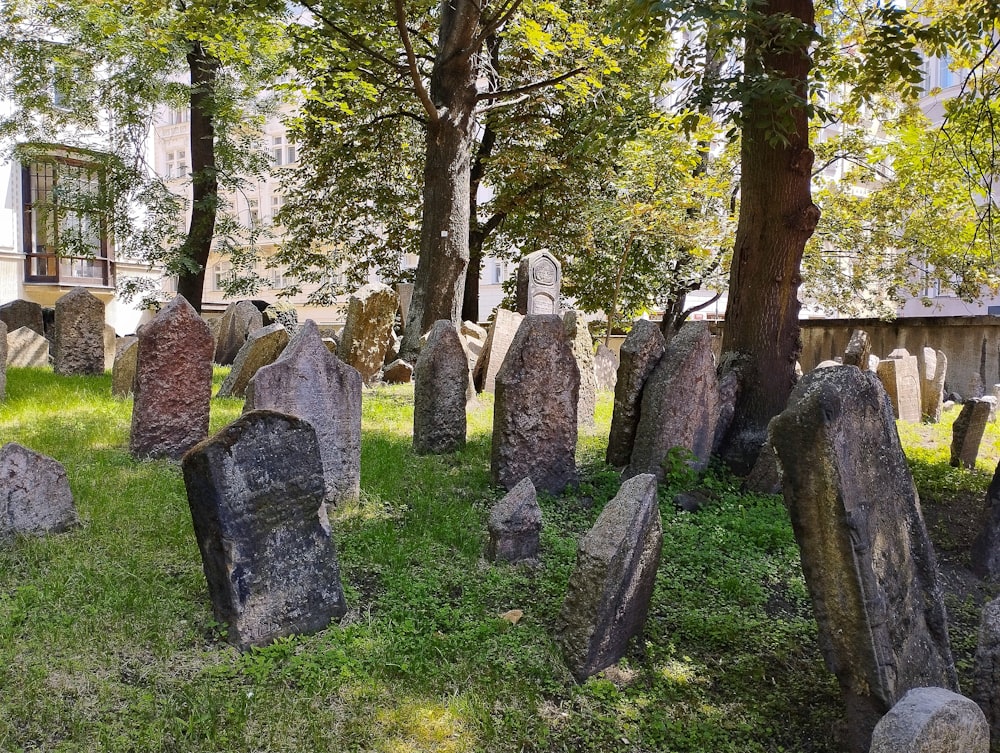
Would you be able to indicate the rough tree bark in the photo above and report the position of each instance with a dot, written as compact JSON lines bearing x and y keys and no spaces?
{"x":777,"y":217}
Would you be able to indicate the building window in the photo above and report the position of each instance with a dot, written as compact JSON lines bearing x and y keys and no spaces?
{"x":254,"y":207}
{"x":222,"y":274}
{"x":174,"y":117}
{"x":278,"y":150}
{"x":176,"y":164}
{"x":496,"y":271}
{"x":65,"y":237}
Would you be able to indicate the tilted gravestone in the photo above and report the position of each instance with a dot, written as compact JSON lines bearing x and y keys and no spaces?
{"x":933,"y":371}
{"x":900,"y":376}
{"x":20,"y":313}
{"x":641,"y":351}
{"x":986,"y":668}
{"x":311,"y":383}
{"x":583,"y":350}
{"x":612,"y":582}
{"x":967,"y":432}
{"x":680,"y":403}
{"x":123,"y":369}
{"x":173,"y":383}
{"x":985,"y":552}
{"x":514,"y":525}
{"x":932,"y":720}
{"x":859,"y":348}
{"x":441,"y":378}
{"x":25,"y":347}
{"x":261,"y":349}
{"x":35,"y":497}
{"x":238,"y":321}
{"x":501,"y":334}
{"x":256,"y":496}
{"x":534,"y":415}
{"x":404,"y":291}
{"x":605,"y":368}
{"x":539,"y":277}
{"x":368,"y":330}
{"x":283,"y":314}
{"x":79,"y":334}
{"x":868,"y":562}
{"x":398,"y":372}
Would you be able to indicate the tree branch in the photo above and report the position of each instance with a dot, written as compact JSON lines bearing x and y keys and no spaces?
{"x":411,"y":60}
{"x":519,"y":90}
{"x":400,"y":114}
{"x":352,"y":41}
{"x":490,"y":27}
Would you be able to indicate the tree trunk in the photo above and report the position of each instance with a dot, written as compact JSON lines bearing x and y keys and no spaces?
{"x":777,"y":216}
{"x":204,"y":182}
{"x":470,"y":301}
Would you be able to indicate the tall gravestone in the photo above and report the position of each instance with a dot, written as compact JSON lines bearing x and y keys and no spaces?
{"x":35,"y":498}
{"x":262,"y":348}
{"x":79,"y":334}
{"x":985,"y":552}
{"x":868,"y":562}
{"x":441,"y":378}
{"x":309,"y":382}
{"x":173,"y":383}
{"x":859,"y":348}
{"x":900,"y":376}
{"x":3,"y":361}
{"x":641,"y":351}
{"x":256,"y":496}
{"x":20,"y":313}
{"x":606,"y":368}
{"x":501,"y":333}
{"x":933,"y":371}
{"x":27,"y":348}
{"x":583,"y":350}
{"x":534,"y":415}
{"x":967,"y":432}
{"x":238,"y":321}
{"x":539,"y":277}
{"x":123,"y":369}
{"x":368,"y":331}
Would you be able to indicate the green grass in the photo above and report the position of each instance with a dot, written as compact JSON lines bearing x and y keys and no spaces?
{"x":107,"y":641}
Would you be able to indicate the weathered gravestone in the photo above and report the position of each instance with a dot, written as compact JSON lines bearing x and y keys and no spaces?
{"x":398,"y":372}
{"x":967,"y":432}
{"x":933,"y":370}
{"x":605,"y":368}
{"x":238,"y":321}
{"x":986,"y":668}
{"x":25,"y":347}
{"x":473,"y":340}
{"x":368,"y":330}
{"x":514,"y":525}
{"x":79,"y":334}
{"x":583,"y":350}
{"x":900,"y":376}
{"x":501,"y":334}
{"x":932,"y":720}
{"x":173,"y":383}
{"x":866,"y":556}
{"x":404,"y":291}
{"x":680,"y":403}
{"x":3,"y":361}
{"x":985,"y":552}
{"x":534,"y":415}
{"x":20,"y":313}
{"x":311,"y":383}
{"x":441,"y":379}
{"x":859,"y":348}
{"x":123,"y":369}
{"x":539,"y":276}
{"x":641,"y":351}
{"x":35,"y":497}
{"x":261,"y":349}
{"x":281,"y":313}
{"x":612,"y":582}
{"x":256,"y":496}
{"x":110,"y":347}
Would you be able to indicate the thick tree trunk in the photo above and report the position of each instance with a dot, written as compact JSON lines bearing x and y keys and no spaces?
{"x":204,"y":183}
{"x":777,"y":216}
{"x":470,"y":301}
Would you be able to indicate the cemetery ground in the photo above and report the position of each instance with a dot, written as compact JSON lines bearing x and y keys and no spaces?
{"x":107,"y":641}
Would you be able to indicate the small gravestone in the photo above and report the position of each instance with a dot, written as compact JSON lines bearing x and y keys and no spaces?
{"x":867,"y":560}
{"x":992,"y":402}
{"x":473,"y":339}
{"x":583,"y":350}
{"x":967,"y":432}
{"x":932,"y":720}
{"x":123,"y":369}
{"x":534,"y":415}
{"x":404,"y":291}
{"x":261,"y":349}
{"x":398,"y":372}
{"x":933,"y":371}
{"x":368,"y":330}
{"x":859,"y":347}
{"x":640,"y":353}
{"x":501,"y":334}
{"x":27,"y":348}
{"x":35,"y":497}
{"x":986,"y":668}
{"x":985,"y":552}
{"x":79,"y":334}
{"x":256,"y":496}
{"x":605,"y":368}
{"x":612,"y":583}
{"x":238,"y":321}
{"x":311,"y":383}
{"x":283,"y":314}
{"x":173,"y":383}
{"x":514,"y":525}
{"x":539,"y":276}
{"x":900,"y":376}
{"x":110,"y":347}
{"x":680,"y":403}
{"x":20,"y":313}
{"x":441,"y":379}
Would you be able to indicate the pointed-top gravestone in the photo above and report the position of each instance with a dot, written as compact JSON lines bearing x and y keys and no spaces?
{"x":173,"y":383}
{"x":539,"y":276}
{"x":35,"y":498}
{"x":368,"y":330}
{"x":583,"y":350}
{"x":262,"y":348}
{"x":21,"y":313}
{"x":515,"y":523}
{"x":79,"y":334}
{"x":441,"y":379}
{"x":311,"y":383}
{"x":238,"y":321}
{"x":25,"y":347}
{"x":640,"y":353}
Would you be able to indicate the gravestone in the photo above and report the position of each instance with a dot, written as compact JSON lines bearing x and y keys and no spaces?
{"x":605,"y":368}
{"x":539,"y":277}
{"x":900,"y":376}
{"x":123,"y":369}
{"x":261,"y":349}
{"x":173,"y":383}
{"x":985,"y":553}
{"x":986,"y":668}
{"x":859,"y":348}
{"x":867,"y":560}
{"x":641,"y":351}
{"x":967,"y":432}
{"x":992,"y":402}
{"x":932,"y":720}
{"x":473,"y":340}
{"x":35,"y":498}
{"x":680,"y":403}
{"x":256,"y":496}
{"x":20,"y":313}
{"x":502,"y":330}
{"x":534,"y":414}
{"x":612,"y":582}
{"x":283,"y":314}
{"x":79,"y":334}
{"x":367,"y":334}
{"x":3,"y":361}
{"x":25,"y":347}
{"x":404,"y":291}
{"x":583,"y":350}
{"x":238,"y":321}
{"x":441,"y":380}
{"x":110,"y":347}
{"x":311,"y":383}
{"x":933,"y":370}
{"x":515,"y":524}
{"x":398,"y":372}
